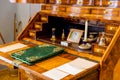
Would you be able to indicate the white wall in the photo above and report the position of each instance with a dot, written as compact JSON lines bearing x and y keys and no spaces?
{"x":25,"y":11}
{"x":7,"y":11}
{"x":23,"y":14}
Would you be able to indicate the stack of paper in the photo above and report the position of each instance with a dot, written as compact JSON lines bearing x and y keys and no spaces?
{"x":55,"y":74}
{"x":82,"y":63}
{"x":74,"y":67}
{"x":12,"y":47}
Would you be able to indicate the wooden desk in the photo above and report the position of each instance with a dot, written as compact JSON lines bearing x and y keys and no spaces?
{"x":34,"y":72}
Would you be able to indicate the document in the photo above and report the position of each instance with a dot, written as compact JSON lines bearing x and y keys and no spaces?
{"x":81,"y":63}
{"x":69,"y":69}
{"x":76,"y":66}
{"x":55,"y":74}
{"x":12,"y":47}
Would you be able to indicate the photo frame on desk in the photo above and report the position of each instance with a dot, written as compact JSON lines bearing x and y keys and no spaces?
{"x":74,"y":35}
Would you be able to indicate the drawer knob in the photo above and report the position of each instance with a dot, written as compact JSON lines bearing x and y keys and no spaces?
{"x":109,"y":2}
{"x":79,"y":2}
{"x":105,"y":12}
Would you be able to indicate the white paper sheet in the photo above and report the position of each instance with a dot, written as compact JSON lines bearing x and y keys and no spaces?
{"x":55,"y":74}
{"x":69,"y":69}
{"x":81,"y":63}
{"x":76,"y":66}
{"x":12,"y":47}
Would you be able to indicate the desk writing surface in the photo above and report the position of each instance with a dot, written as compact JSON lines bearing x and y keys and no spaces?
{"x":47,"y":64}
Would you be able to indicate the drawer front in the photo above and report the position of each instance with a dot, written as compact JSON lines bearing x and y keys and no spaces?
{"x":114,"y":3}
{"x":52,"y":1}
{"x":62,"y":9}
{"x":85,"y":2}
{"x":39,"y":1}
{"x":64,"y":1}
{"x":112,"y":12}
{"x":78,"y":10}
{"x":46,"y":7}
{"x":101,"y":2}
{"x":97,"y":11}
{"x":73,"y":1}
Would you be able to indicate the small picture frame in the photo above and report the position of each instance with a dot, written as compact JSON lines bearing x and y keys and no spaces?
{"x":74,"y":35}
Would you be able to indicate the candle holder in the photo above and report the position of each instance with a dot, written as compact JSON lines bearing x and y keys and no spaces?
{"x":53,"y":35}
{"x":85,"y":44}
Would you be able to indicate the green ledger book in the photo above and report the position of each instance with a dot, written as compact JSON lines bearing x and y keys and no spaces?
{"x":32,"y":55}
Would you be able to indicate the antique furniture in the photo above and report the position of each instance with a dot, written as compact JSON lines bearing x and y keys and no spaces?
{"x":103,"y":16}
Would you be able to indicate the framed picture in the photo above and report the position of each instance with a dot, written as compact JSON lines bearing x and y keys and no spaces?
{"x":74,"y":35}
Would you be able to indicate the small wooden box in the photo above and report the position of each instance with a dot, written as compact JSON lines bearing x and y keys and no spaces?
{"x":111,"y":28}
{"x":98,"y":50}
{"x":108,"y":38}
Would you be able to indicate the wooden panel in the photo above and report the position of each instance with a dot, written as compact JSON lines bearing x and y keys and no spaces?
{"x":101,"y":2}
{"x":110,"y":58}
{"x":114,"y":3}
{"x":112,"y":14}
{"x":73,"y":1}
{"x":85,"y":2}
{"x":52,"y":1}
{"x":64,"y":1}
{"x":78,"y":10}
{"x":97,"y":11}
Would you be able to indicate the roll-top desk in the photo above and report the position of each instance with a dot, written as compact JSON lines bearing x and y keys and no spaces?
{"x":103,"y":16}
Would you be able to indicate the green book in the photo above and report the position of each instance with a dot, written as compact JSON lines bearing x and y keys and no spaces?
{"x":34,"y":54}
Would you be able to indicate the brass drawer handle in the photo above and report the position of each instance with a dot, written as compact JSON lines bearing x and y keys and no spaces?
{"x":79,"y":2}
{"x":105,"y":12}
{"x":109,"y":2}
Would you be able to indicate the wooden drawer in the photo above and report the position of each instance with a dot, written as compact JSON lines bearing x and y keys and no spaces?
{"x":114,"y":3}
{"x":73,"y":1}
{"x":111,"y":28}
{"x":112,"y":12}
{"x":26,"y":75}
{"x":46,"y":7}
{"x":43,"y":18}
{"x":64,"y":1}
{"x":38,"y":26}
{"x":52,"y":1}
{"x":101,"y":2}
{"x":85,"y":2}
{"x":39,"y":1}
{"x":97,"y":11}
{"x":78,"y":10}
{"x":61,"y":9}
